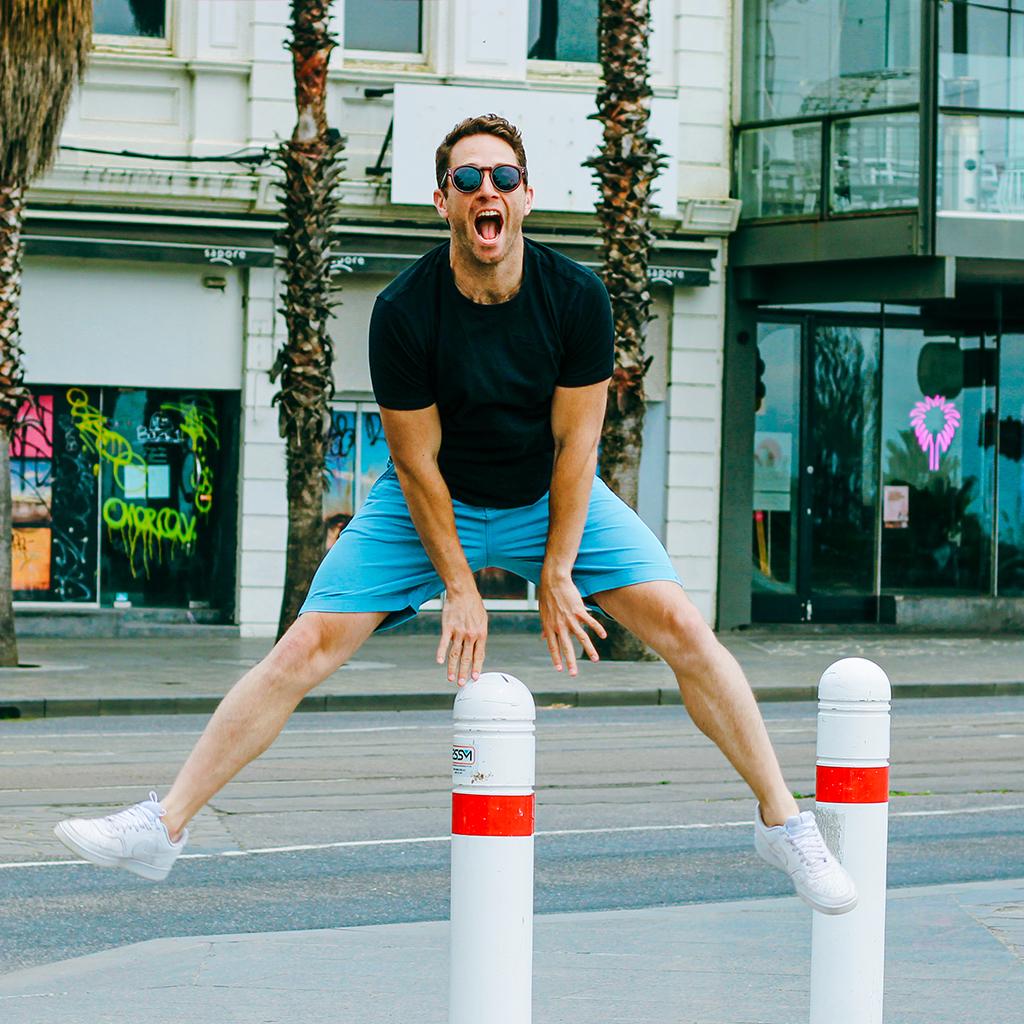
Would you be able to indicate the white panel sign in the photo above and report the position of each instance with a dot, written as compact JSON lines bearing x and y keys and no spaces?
{"x":556,"y":130}
{"x":132,"y":324}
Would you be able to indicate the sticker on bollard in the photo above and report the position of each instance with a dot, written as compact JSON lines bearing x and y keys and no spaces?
{"x":844,"y":785}
{"x":474,"y":814}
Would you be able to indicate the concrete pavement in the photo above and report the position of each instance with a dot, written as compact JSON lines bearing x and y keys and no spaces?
{"x":191,"y":672}
{"x":955,"y":955}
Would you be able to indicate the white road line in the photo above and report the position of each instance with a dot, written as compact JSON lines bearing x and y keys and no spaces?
{"x":420,"y":840}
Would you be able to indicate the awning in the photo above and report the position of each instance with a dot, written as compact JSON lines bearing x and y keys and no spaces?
{"x":359,"y":249}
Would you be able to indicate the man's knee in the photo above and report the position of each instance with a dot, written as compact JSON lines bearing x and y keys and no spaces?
{"x":316,"y":644}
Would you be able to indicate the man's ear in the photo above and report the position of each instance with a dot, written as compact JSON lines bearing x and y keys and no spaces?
{"x":441,"y":203}
{"x":529,"y":200}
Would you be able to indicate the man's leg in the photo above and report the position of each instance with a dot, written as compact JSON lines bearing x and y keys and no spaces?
{"x":255,"y":709}
{"x":714,"y":689}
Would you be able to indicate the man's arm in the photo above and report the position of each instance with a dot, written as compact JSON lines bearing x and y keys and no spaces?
{"x":576,"y":418}
{"x":414,"y":439}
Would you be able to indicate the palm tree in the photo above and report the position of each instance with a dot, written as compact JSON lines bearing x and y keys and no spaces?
{"x":43,"y":49}
{"x":625,"y":170}
{"x":310,"y":207}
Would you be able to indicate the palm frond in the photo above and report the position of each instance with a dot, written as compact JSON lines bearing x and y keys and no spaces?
{"x":43,"y":49}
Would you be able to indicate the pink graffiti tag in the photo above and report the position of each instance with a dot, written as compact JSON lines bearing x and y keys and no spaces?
{"x":934,"y":444}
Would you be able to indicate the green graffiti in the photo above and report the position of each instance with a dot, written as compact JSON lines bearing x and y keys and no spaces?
{"x":144,"y":530}
{"x":106,"y":444}
{"x":199,"y":425}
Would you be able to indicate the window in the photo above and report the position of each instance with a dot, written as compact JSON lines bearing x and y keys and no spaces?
{"x":146,"y":19}
{"x":816,"y":56}
{"x":124,"y":494}
{"x":392,"y":26}
{"x":564,"y":30}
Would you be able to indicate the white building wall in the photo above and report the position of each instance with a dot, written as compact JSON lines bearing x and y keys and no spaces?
{"x":263,"y":508}
{"x":224,"y":82}
{"x":703,"y":73}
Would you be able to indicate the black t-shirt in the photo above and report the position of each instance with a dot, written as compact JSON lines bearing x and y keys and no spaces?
{"x":491,"y":369}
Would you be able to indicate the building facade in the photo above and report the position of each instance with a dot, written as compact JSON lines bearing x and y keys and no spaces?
{"x":876,"y":316}
{"x":148,"y":470}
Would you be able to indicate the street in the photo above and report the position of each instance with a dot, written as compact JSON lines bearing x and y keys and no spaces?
{"x":345,"y":820}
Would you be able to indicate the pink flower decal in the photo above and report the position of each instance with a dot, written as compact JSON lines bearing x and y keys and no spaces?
{"x":934,"y":443}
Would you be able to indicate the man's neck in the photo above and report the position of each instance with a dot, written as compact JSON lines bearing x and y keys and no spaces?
{"x":488,"y":285}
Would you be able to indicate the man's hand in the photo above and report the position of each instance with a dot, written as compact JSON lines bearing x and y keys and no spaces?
{"x":562,"y":617}
{"x":463,"y":634}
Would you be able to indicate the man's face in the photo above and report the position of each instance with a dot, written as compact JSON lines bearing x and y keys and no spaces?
{"x":487,"y":239}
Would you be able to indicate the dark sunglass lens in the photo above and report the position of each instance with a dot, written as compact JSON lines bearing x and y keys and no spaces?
{"x":467,"y":179}
{"x":506,"y":177}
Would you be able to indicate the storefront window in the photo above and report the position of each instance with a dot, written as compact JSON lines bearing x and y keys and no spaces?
{"x":843,"y":459}
{"x":776,"y":458}
{"x":817,"y":56}
{"x":780,"y":171}
{"x":53,"y":502}
{"x":981,"y":164}
{"x":1011,"y":465}
{"x":875,"y":163}
{"x":937,"y":470}
{"x":167,"y":490}
{"x":125,"y":495}
{"x":356,"y":440}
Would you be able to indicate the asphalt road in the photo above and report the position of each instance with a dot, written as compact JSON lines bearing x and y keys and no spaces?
{"x":345,"y":820}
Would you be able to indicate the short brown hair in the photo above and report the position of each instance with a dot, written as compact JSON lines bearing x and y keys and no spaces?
{"x":482,"y":124}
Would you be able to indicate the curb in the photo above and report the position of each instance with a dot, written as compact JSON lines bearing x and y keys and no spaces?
{"x":105,"y":706}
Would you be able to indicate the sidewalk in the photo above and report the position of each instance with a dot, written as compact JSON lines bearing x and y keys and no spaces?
{"x":954,"y":955}
{"x":189,"y":674}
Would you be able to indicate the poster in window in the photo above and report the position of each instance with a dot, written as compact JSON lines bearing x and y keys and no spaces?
{"x":773,"y":470}
{"x":896,"y":507}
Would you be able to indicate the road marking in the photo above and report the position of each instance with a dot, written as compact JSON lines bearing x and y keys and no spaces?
{"x":421,"y":840}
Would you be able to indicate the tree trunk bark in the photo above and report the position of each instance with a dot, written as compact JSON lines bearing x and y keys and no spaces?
{"x":625,"y":170}
{"x":13,"y":393}
{"x":304,"y":364}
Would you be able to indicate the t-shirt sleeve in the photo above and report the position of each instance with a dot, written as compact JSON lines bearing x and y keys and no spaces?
{"x":398,"y":360}
{"x":589,"y":337}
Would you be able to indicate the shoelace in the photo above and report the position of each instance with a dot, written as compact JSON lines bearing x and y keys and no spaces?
{"x":138,"y":818}
{"x":812,"y":851}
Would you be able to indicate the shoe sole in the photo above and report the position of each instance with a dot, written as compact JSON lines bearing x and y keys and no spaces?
{"x":767,"y":854}
{"x":105,"y":860}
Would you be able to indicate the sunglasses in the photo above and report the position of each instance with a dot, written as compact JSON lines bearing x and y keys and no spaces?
{"x":467,"y":178}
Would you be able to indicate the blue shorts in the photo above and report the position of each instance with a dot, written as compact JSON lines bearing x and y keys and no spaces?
{"x":378,"y":563}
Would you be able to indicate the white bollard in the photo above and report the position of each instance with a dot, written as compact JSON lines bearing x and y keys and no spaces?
{"x":852,"y":809}
{"x":492,"y":853}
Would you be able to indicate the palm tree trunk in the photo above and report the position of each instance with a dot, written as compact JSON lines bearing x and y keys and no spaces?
{"x":12,"y":394}
{"x":625,"y":170}
{"x":311,"y":170}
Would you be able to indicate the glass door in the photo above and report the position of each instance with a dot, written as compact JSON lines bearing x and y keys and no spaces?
{"x":815,"y":517}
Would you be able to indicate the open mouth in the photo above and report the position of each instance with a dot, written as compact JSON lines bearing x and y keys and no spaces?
{"x":488,"y":225}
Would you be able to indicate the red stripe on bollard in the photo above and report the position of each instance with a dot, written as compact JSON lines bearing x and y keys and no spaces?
{"x":838,"y":785}
{"x":475,"y":814}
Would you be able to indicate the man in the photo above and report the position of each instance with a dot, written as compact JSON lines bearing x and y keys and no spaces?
{"x":490,"y":360}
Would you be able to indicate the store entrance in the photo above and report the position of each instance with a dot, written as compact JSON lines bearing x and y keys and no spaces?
{"x":816,"y":479}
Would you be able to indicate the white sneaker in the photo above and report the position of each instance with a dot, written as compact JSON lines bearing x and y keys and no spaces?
{"x":798,"y":849}
{"x":134,"y":839}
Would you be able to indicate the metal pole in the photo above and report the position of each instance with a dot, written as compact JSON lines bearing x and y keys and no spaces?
{"x":492,"y":852}
{"x":852,"y":810}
